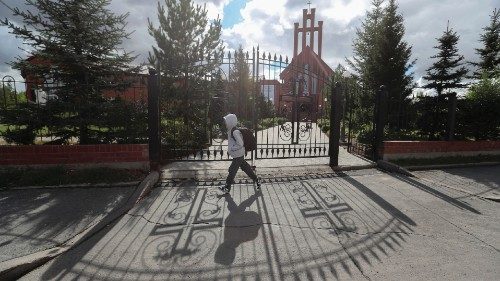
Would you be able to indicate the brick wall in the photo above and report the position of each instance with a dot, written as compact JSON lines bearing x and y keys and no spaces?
{"x":73,"y":154}
{"x":430,"y":149}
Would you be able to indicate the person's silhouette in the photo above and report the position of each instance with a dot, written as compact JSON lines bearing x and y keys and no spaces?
{"x":240,"y":226}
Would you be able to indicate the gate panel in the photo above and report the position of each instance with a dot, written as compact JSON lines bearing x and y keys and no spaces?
{"x":285,"y":103}
{"x":292,"y":109}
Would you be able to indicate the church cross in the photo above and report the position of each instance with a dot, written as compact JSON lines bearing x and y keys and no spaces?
{"x":309,"y":3}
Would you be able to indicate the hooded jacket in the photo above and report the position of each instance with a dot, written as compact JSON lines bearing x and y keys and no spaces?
{"x":235,"y":146}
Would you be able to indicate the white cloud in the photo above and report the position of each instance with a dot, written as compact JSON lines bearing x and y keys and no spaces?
{"x":269,"y":24}
{"x":344,"y":11}
{"x":214,"y":8}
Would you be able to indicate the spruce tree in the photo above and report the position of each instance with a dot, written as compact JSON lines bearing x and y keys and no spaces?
{"x":188,"y":49}
{"x":448,"y":71}
{"x":382,"y":57}
{"x":489,"y":54}
{"x":366,"y":47}
{"x":77,"y":43}
{"x":240,"y":85}
{"x":396,"y":64}
{"x":187,"y":46}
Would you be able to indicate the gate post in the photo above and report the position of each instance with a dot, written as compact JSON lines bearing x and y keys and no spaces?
{"x":154,"y":120}
{"x":380,"y":120}
{"x":334,"y":136}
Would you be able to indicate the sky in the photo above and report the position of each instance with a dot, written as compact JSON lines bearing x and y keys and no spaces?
{"x":269,"y":24}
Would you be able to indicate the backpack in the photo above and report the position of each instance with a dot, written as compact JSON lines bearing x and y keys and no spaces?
{"x":249,"y":140}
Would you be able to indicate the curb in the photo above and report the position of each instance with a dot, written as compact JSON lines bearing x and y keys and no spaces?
{"x":17,"y":267}
{"x":450,"y":166}
{"x":393,"y":168}
{"x":261,"y":172}
{"x":98,"y":185}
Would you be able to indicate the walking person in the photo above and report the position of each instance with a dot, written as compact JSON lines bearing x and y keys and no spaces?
{"x":236,"y":149}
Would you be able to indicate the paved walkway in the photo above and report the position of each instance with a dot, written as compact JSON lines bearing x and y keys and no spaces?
{"x":218,"y":169}
{"x":358,"y":225}
{"x":34,"y":220}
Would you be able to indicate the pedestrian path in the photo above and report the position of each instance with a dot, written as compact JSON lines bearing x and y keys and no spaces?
{"x":35,"y":220}
{"x":354,"y":225}
{"x":218,"y":169}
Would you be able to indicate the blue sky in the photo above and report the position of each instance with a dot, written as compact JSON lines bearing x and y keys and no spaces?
{"x":232,"y":13}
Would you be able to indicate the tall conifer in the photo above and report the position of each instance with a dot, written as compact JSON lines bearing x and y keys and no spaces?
{"x":240,"y":84}
{"x":489,"y":54}
{"x":382,"y":57}
{"x":395,"y":64}
{"x":187,"y":45}
{"x":76,"y":46}
{"x":448,"y":71}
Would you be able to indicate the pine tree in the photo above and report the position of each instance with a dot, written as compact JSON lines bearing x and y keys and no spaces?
{"x":188,"y":49}
{"x":186,"y":45}
{"x":489,"y":63}
{"x":366,"y":59}
{"x":240,"y":85}
{"x":395,"y":55}
{"x":76,"y":42}
{"x":382,"y":57}
{"x":448,"y":71}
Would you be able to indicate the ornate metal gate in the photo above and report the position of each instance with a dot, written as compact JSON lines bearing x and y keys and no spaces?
{"x":285,"y":102}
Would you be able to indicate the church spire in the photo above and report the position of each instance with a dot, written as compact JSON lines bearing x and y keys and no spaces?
{"x":307,"y":31}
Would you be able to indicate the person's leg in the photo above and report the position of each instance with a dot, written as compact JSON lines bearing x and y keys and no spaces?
{"x":248,"y":170}
{"x":233,"y":169}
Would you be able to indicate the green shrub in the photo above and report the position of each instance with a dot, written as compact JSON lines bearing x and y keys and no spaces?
{"x":21,"y":135}
{"x":478,"y":114}
{"x":270,"y":122}
{"x":365,"y":135}
{"x":405,"y":135}
{"x":324,"y":125}
{"x":22,"y":122}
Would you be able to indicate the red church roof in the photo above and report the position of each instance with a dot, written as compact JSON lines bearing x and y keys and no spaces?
{"x":316,"y":65}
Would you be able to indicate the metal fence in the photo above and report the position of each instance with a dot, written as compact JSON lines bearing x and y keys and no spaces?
{"x":48,"y":112}
{"x":282,"y":101}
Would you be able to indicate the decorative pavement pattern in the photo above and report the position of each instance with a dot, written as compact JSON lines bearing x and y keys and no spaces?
{"x":190,"y":221}
{"x":353,"y":225}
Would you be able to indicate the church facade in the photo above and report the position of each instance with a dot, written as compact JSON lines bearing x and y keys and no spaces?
{"x":305,"y":78}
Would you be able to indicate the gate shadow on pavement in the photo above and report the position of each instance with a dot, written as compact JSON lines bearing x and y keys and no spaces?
{"x":475,"y":181}
{"x":303,"y":228}
{"x":35,"y":220}
{"x":435,"y":192}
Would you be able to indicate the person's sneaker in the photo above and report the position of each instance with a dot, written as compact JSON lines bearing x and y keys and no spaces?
{"x":224,"y":189}
{"x":257,"y":182}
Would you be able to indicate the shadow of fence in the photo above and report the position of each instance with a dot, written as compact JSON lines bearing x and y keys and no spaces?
{"x":309,"y":228}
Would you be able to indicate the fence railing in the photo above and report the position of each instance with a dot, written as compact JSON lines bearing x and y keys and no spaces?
{"x":54,"y":113}
{"x":361,"y":149}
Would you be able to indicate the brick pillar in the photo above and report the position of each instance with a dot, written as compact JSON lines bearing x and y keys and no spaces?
{"x":311,"y":28}
{"x":296,"y":39}
{"x":320,"y":37}
{"x":304,"y":25}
